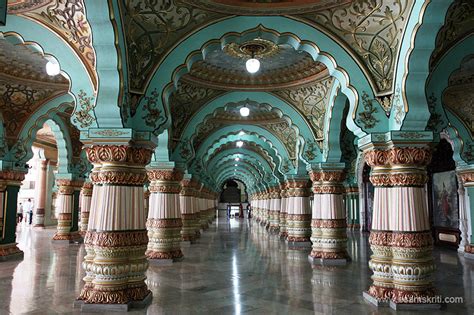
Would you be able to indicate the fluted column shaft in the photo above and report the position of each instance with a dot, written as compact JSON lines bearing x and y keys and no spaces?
{"x":164,"y":218}
{"x":275,"y":207}
{"x":400,"y":238}
{"x":86,"y":199}
{"x":116,"y":239}
{"x":10,"y":182}
{"x":190,"y":218}
{"x":299,"y":211}
{"x":67,"y":206}
{"x":328,"y":223}
{"x":266,"y":209}
{"x":41,"y":193}
{"x":467,"y":239}
{"x":352,"y":207}
{"x":283,"y":211}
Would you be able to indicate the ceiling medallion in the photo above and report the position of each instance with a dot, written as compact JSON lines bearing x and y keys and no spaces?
{"x":259,"y":48}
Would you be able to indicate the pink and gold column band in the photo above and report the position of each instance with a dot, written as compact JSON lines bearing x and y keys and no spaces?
{"x":190,"y":218}
{"x":329,"y":236}
{"x":299,"y":212}
{"x":65,"y":208}
{"x":400,"y":238}
{"x":275,"y":208}
{"x":283,"y":211}
{"x":164,"y":218}
{"x":86,"y":199}
{"x":116,"y":239}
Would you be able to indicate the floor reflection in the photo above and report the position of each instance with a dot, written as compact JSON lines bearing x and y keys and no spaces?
{"x":236,"y":267}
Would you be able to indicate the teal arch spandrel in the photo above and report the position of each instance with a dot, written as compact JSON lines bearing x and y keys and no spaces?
{"x":21,"y":152}
{"x":246,"y":174}
{"x":71,"y":65}
{"x":409,"y":108}
{"x":439,"y":81}
{"x":107,"y":105}
{"x":280,"y":29}
{"x":228,"y":161}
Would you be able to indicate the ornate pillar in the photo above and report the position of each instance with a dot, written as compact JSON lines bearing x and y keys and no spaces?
{"x":266,"y":209}
{"x":189,"y":216}
{"x":329,"y":236}
{"x":352,"y":207}
{"x":283,"y":211}
{"x":299,"y":213}
{"x":256,"y":207}
{"x":400,"y":238}
{"x":463,"y":219}
{"x":86,"y":199}
{"x":116,"y":239}
{"x":10,"y":182}
{"x":164,"y":218}
{"x":467,"y":177}
{"x":202,"y":208}
{"x":67,"y":208}
{"x":146,"y":195}
{"x":195,"y":202}
{"x":41,"y":194}
{"x":275,"y":207}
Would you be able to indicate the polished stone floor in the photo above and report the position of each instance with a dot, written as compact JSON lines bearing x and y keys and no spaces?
{"x":236,"y":267}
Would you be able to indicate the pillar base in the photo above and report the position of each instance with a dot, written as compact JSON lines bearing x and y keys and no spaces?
{"x":374,"y":301}
{"x":38,"y":226}
{"x":328,"y":261}
{"x":72,"y":238}
{"x":174,"y":255}
{"x":10,"y":252}
{"x":90,"y":307}
{"x":298,"y":245}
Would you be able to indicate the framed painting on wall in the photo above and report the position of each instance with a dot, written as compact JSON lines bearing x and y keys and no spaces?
{"x":445,"y":200}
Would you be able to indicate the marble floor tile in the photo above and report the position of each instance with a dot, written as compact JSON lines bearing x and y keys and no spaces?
{"x":235,"y":268}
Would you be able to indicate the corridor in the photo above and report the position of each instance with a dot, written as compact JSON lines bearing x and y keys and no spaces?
{"x":236,"y":267}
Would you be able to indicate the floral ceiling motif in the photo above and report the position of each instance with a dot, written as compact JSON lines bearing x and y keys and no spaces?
{"x":152,"y":29}
{"x":459,"y":95}
{"x":284,"y":67}
{"x":18,"y":102}
{"x":311,"y":101}
{"x":459,"y":23}
{"x":68,"y":19}
{"x":373,"y":29}
{"x":184,"y":103}
{"x":265,"y":7}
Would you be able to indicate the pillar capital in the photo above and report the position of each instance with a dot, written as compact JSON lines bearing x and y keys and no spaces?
{"x":121,"y":154}
{"x":11,"y":177}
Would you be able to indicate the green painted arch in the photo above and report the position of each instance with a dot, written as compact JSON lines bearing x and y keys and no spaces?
{"x":455,"y":136}
{"x":242,"y":172}
{"x":278,"y":29}
{"x":439,"y":79}
{"x":228,"y":161}
{"x":254,"y":134}
{"x":247,"y":165}
{"x":411,"y":75}
{"x":254,"y":161}
{"x":241,"y":154}
{"x":108,"y":97}
{"x":72,"y":67}
{"x":61,"y":135}
{"x":231,"y":99}
{"x":285,"y":117}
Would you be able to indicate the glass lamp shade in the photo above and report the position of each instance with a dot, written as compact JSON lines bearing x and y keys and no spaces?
{"x":240,"y":143}
{"x":252,"y":65}
{"x":244,"y":111}
{"x":53,"y":68}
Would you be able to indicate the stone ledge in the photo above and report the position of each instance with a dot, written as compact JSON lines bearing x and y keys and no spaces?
{"x":328,"y":262}
{"x":414,"y":307}
{"x":99,"y":308}
{"x":369,"y":298}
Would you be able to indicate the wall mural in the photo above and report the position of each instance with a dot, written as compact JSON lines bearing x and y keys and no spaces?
{"x":445,"y":200}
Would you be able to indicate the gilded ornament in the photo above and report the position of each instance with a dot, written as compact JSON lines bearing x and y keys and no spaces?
{"x":366,"y":117}
{"x":83,"y":116}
